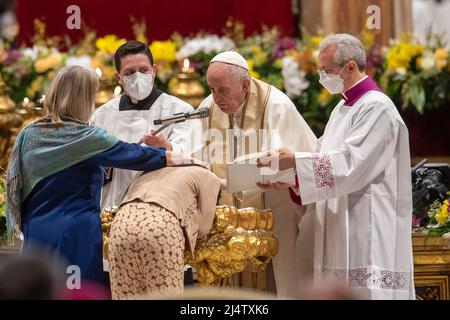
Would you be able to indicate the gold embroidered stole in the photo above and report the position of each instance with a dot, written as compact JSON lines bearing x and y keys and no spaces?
{"x":251,"y":122}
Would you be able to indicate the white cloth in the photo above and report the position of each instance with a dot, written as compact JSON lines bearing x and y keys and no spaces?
{"x":130,"y":126}
{"x":286,"y":127}
{"x":359,"y":185}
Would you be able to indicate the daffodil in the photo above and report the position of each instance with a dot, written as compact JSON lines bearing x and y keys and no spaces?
{"x":163,"y":51}
{"x":368,"y":39}
{"x":324,"y":97}
{"x":315,"y":42}
{"x":253,"y":73}
{"x":442,"y":216}
{"x":36,"y":86}
{"x":109,"y":43}
{"x":401,"y":55}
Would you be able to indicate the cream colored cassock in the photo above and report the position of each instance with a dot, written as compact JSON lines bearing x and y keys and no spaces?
{"x":286,"y":127}
{"x":359,"y":185}
{"x":130,"y":126}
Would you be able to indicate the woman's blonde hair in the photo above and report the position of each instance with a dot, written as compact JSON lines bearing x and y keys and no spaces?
{"x":71,"y":94}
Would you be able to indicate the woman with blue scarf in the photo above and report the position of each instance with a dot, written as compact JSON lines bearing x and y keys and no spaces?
{"x":55,"y":174}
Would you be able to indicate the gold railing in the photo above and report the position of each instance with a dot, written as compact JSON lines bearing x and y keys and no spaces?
{"x":431,"y":267}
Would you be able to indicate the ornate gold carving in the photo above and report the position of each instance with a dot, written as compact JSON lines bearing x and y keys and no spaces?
{"x":431,"y":267}
{"x":10,"y":122}
{"x":239,"y":240}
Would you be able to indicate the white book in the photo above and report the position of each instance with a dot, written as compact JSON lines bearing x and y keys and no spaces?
{"x":243,"y":174}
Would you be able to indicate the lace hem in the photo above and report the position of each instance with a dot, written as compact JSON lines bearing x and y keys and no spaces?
{"x":372,"y":277}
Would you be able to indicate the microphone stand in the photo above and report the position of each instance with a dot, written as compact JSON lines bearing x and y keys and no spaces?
{"x":160,"y":129}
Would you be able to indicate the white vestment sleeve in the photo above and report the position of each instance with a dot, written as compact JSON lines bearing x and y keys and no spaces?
{"x":365,"y":155}
{"x":287,"y":128}
{"x":179,"y":132}
{"x":93,"y":121}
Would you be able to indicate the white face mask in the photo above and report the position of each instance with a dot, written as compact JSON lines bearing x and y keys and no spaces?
{"x":332,"y":82}
{"x":139,"y":85}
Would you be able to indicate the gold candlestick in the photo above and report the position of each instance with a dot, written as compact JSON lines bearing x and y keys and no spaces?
{"x":10,"y":123}
{"x":105,"y":92}
{"x":187,"y":87}
{"x":31,"y":111}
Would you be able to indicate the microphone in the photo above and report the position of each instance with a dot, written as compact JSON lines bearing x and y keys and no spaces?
{"x":183,"y":116}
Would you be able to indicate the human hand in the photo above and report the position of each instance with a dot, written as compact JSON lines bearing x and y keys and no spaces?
{"x":158,"y":141}
{"x":223,"y":184}
{"x":283,"y":159}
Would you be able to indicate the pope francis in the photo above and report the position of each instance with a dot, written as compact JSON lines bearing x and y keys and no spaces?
{"x":247,"y":116}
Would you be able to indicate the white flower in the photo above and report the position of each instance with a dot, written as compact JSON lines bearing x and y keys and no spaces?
{"x":208,"y":44}
{"x":401,"y":71}
{"x":294,"y":79}
{"x":428,"y":61}
{"x":37,"y":52}
{"x":83,"y":61}
{"x":32,"y":53}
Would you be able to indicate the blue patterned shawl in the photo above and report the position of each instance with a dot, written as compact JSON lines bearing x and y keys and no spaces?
{"x":42,"y":149}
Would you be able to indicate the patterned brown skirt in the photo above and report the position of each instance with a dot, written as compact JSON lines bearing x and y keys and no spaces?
{"x":145,"y":250}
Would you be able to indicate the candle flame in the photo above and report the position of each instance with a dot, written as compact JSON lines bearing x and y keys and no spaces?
{"x":186,"y":64}
{"x":99,"y":72}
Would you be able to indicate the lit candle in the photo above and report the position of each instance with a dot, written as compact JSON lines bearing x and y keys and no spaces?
{"x":99,"y":72}
{"x":186,"y":67}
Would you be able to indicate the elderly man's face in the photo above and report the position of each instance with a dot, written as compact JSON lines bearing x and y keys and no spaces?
{"x":327,"y":61}
{"x":228,"y":92}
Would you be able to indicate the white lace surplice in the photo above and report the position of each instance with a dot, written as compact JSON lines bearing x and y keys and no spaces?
{"x":359,"y":185}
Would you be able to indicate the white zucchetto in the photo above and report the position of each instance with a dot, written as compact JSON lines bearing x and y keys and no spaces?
{"x":231,"y":57}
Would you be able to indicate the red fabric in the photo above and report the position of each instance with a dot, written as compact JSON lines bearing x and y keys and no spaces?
{"x":88,"y":291}
{"x":162,"y":17}
{"x":294,"y":197}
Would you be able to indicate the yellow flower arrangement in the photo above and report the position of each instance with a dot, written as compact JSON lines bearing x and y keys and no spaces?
{"x":36,"y":87}
{"x":441,"y":55}
{"x":438,"y":213}
{"x":305,"y":59}
{"x":402,"y":54}
{"x":324,"y":97}
{"x":51,"y":62}
{"x":368,"y":39}
{"x":103,"y":61}
{"x":259,"y":56}
{"x":253,"y":73}
{"x":164,"y":51}
{"x":442,"y":216}
{"x":109,"y":44}
{"x":315,"y":42}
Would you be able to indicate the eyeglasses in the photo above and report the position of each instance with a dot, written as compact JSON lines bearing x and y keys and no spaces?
{"x":323,"y":73}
